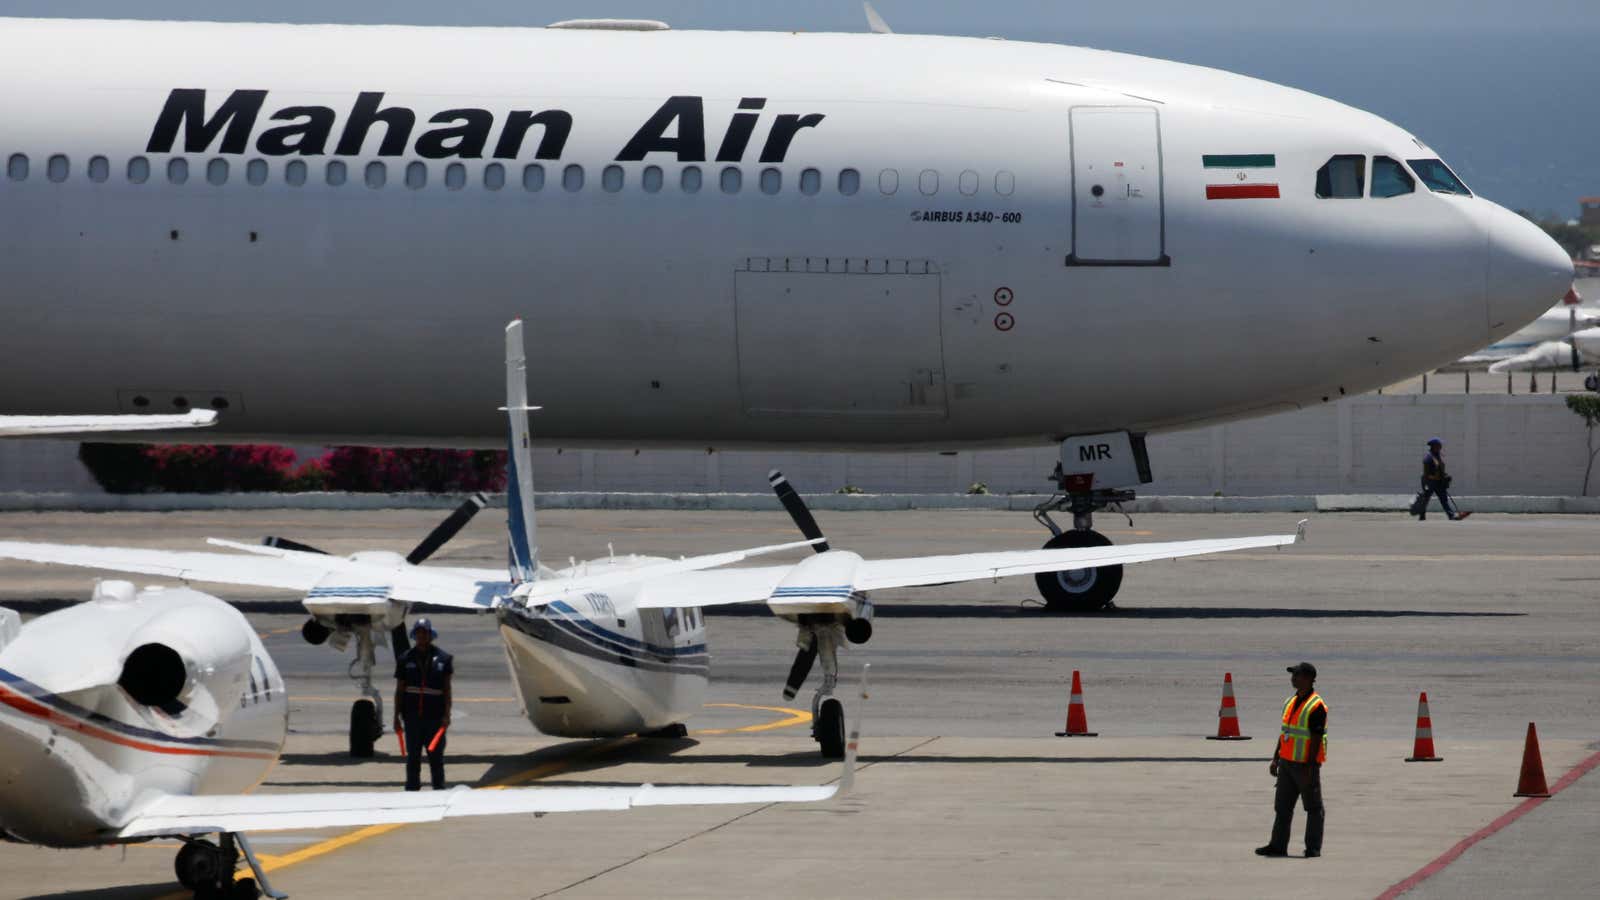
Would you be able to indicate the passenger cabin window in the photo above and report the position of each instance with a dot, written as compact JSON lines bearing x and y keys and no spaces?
{"x":888,"y":181}
{"x":651,"y":179}
{"x":1004,"y":183}
{"x":178,"y":170}
{"x":255,"y":172}
{"x":57,"y":168}
{"x":494,"y":176}
{"x":1343,"y":177}
{"x":337,"y":173}
{"x":455,"y":177}
{"x":217,"y":171}
{"x":611,"y":179}
{"x":533,"y":177}
{"x":810,"y":181}
{"x":928,"y":182}
{"x":732,"y":180}
{"x":416,"y":176}
{"x":17,"y":167}
{"x":138,"y":170}
{"x":377,"y":174}
{"x":691,"y":180}
{"x":771,"y":181}
{"x":99,"y":169}
{"x":1390,"y":179}
{"x":572,"y":178}
{"x":295,"y":172}
{"x":849,"y":182}
{"x":968,"y":182}
{"x":1438,"y":177}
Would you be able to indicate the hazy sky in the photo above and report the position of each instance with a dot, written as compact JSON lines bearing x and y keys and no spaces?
{"x":1504,"y":90}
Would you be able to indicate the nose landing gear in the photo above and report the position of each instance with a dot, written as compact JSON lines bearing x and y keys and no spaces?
{"x":1117,"y":458}
{"x":208,"y":870}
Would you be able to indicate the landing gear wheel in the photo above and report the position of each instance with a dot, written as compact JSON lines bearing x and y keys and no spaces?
{"x":1079,"y":590}
{"x":829,"y":729}
{"x":197,"y":864}
{"x":364,"y":728}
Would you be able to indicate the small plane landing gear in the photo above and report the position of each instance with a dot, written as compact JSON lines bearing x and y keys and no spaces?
{"x":209,"y":870}
{"x":827,"y":727}
{"x":366,"y":714}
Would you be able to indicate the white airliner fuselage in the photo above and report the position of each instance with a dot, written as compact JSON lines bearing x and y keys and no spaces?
{"x":717,"y":238}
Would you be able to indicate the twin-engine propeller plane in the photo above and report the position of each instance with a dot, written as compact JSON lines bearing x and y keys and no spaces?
{"x":152,"y":714}
{"x":617,"y":645}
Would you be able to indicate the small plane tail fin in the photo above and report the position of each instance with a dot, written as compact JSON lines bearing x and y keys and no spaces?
{"x":520,"y":521}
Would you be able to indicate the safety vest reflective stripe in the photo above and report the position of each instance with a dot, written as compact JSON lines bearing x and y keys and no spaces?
{"x":1294,"y":742}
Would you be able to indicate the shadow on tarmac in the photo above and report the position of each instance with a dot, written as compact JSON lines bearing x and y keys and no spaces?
{"x":128,"y":891}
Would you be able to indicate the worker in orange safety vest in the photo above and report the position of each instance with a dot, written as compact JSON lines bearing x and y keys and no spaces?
{"x":1302,"y":748}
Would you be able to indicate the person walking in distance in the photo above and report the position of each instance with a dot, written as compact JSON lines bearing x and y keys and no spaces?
{"x":1302,"y":748}
{"x":1436,"y":482}
{"x":422,"y":704}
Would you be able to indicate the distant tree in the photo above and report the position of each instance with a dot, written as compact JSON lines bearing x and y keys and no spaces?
{"x":1587,"y":407}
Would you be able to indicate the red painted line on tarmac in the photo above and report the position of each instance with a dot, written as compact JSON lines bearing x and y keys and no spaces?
{"x":1516,"y":812}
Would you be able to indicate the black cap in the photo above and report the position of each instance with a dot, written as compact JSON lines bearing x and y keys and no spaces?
{"x":1304,"y":668}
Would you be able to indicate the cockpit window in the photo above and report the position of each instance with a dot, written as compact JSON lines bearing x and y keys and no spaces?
{"x":1438,"y":177}
{"x":1343,"y":177}
{"x":1390,"y":179}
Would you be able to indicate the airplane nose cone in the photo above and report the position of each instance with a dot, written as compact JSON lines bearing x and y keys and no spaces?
{"x":1527,"y":271}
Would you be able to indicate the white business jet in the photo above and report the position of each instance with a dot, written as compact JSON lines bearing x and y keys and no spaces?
{"x":616,"y":645}
{"x":948,"y":242}
{"x":152,"y":714}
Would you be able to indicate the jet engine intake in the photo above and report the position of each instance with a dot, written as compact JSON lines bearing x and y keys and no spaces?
{"x":155,"y":675}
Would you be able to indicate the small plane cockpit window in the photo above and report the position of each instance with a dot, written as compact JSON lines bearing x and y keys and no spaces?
{"x":771,"y":181}
{"x":178,"y":170}
{"x":651,"y":179}
{"x":810,"y":181}
{"x":99,"y":169}
{"x":1390,"y":179}
{"x":611,"y":179}
{"x":691,"y":180}
{"x":57,"y":168}
{"x":731,"y":180}
{"x":888,"y":181}
{"x":138,"y":170}
{"x":377,"y":174}
{"x":1438,"y":177}
{"x":455,"y":177}
{"x":1342,"y":177}
{"x":572,"y":178}
{"x":494,"y":176}
{"x":533,"y":177}
{"x":295,"y":172}
{"x":336,"y":173}
{"x":849,"y":182}
{"x":416,"y":175}
{"x":17,"y":167}
{"x":217,"y":171}
{"x":255,"y":172}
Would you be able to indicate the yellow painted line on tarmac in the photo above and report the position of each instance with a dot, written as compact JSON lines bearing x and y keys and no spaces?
{"x":792,"y":718}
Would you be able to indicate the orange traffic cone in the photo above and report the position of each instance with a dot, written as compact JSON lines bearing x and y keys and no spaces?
{"x":1228,"y":714}
{"x":1077,"y":719}
{"x":1531,"y":782}
{"x":1422,"y":750}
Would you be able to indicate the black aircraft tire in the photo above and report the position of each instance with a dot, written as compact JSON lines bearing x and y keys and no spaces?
{"x":830,"y":729}
{"x":1079,"y":590}
{"x":364,"y":728}
{"x":197,"y":863}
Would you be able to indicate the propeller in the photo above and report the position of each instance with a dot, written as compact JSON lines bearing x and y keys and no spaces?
{"x":286,"y":544}
{"x":791,"y":500}
{"x":447,"y":529}
{"x":801,"y":668}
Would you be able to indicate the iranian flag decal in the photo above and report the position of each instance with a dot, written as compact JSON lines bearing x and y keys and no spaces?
{"x":1247,"y":169}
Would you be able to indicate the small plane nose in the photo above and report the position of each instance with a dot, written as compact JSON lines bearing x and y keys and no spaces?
{"x":1527,"y":272}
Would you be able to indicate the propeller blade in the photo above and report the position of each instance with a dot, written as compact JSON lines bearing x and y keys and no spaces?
{"x":447,"y":529}
{"x":800,"y":669}
{"x":398,"y":640}
{"x":790,"y":498}
{"x":286,"y":544}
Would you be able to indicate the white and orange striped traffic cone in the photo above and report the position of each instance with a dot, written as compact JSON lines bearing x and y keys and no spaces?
{"x":1422,"y":750}
{"x":1228,"y":715}
{"x":1077,"y":719}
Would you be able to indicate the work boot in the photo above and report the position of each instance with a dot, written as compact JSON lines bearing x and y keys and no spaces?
{"x":1463,"y":516}
{"x":1313,"y":854}
{"x":1270,"y":850}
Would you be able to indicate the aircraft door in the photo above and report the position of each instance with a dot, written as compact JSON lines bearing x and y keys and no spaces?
{"x":1118,"y":217}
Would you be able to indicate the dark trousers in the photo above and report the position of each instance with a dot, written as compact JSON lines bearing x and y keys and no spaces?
{"x":1303,"y":782}
{"x":418,"y":733}
{"x":1443,"y":493}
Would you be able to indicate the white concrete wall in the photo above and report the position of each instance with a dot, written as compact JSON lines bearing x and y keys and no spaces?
{"x":1494,"y":444}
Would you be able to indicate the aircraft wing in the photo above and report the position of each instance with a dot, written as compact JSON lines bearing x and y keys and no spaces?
{"x":18,"y":426}
{"x":283,"y":569}
{"x":726,"y":586}
{"x":197,"y":814}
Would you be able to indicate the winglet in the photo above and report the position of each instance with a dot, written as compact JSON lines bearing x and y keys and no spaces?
{"x":875,"y":22}
{"x":1300,"y":531}
{"x":847,"y":780}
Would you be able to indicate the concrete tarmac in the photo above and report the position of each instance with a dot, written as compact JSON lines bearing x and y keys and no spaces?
{"x":964,"y":790}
